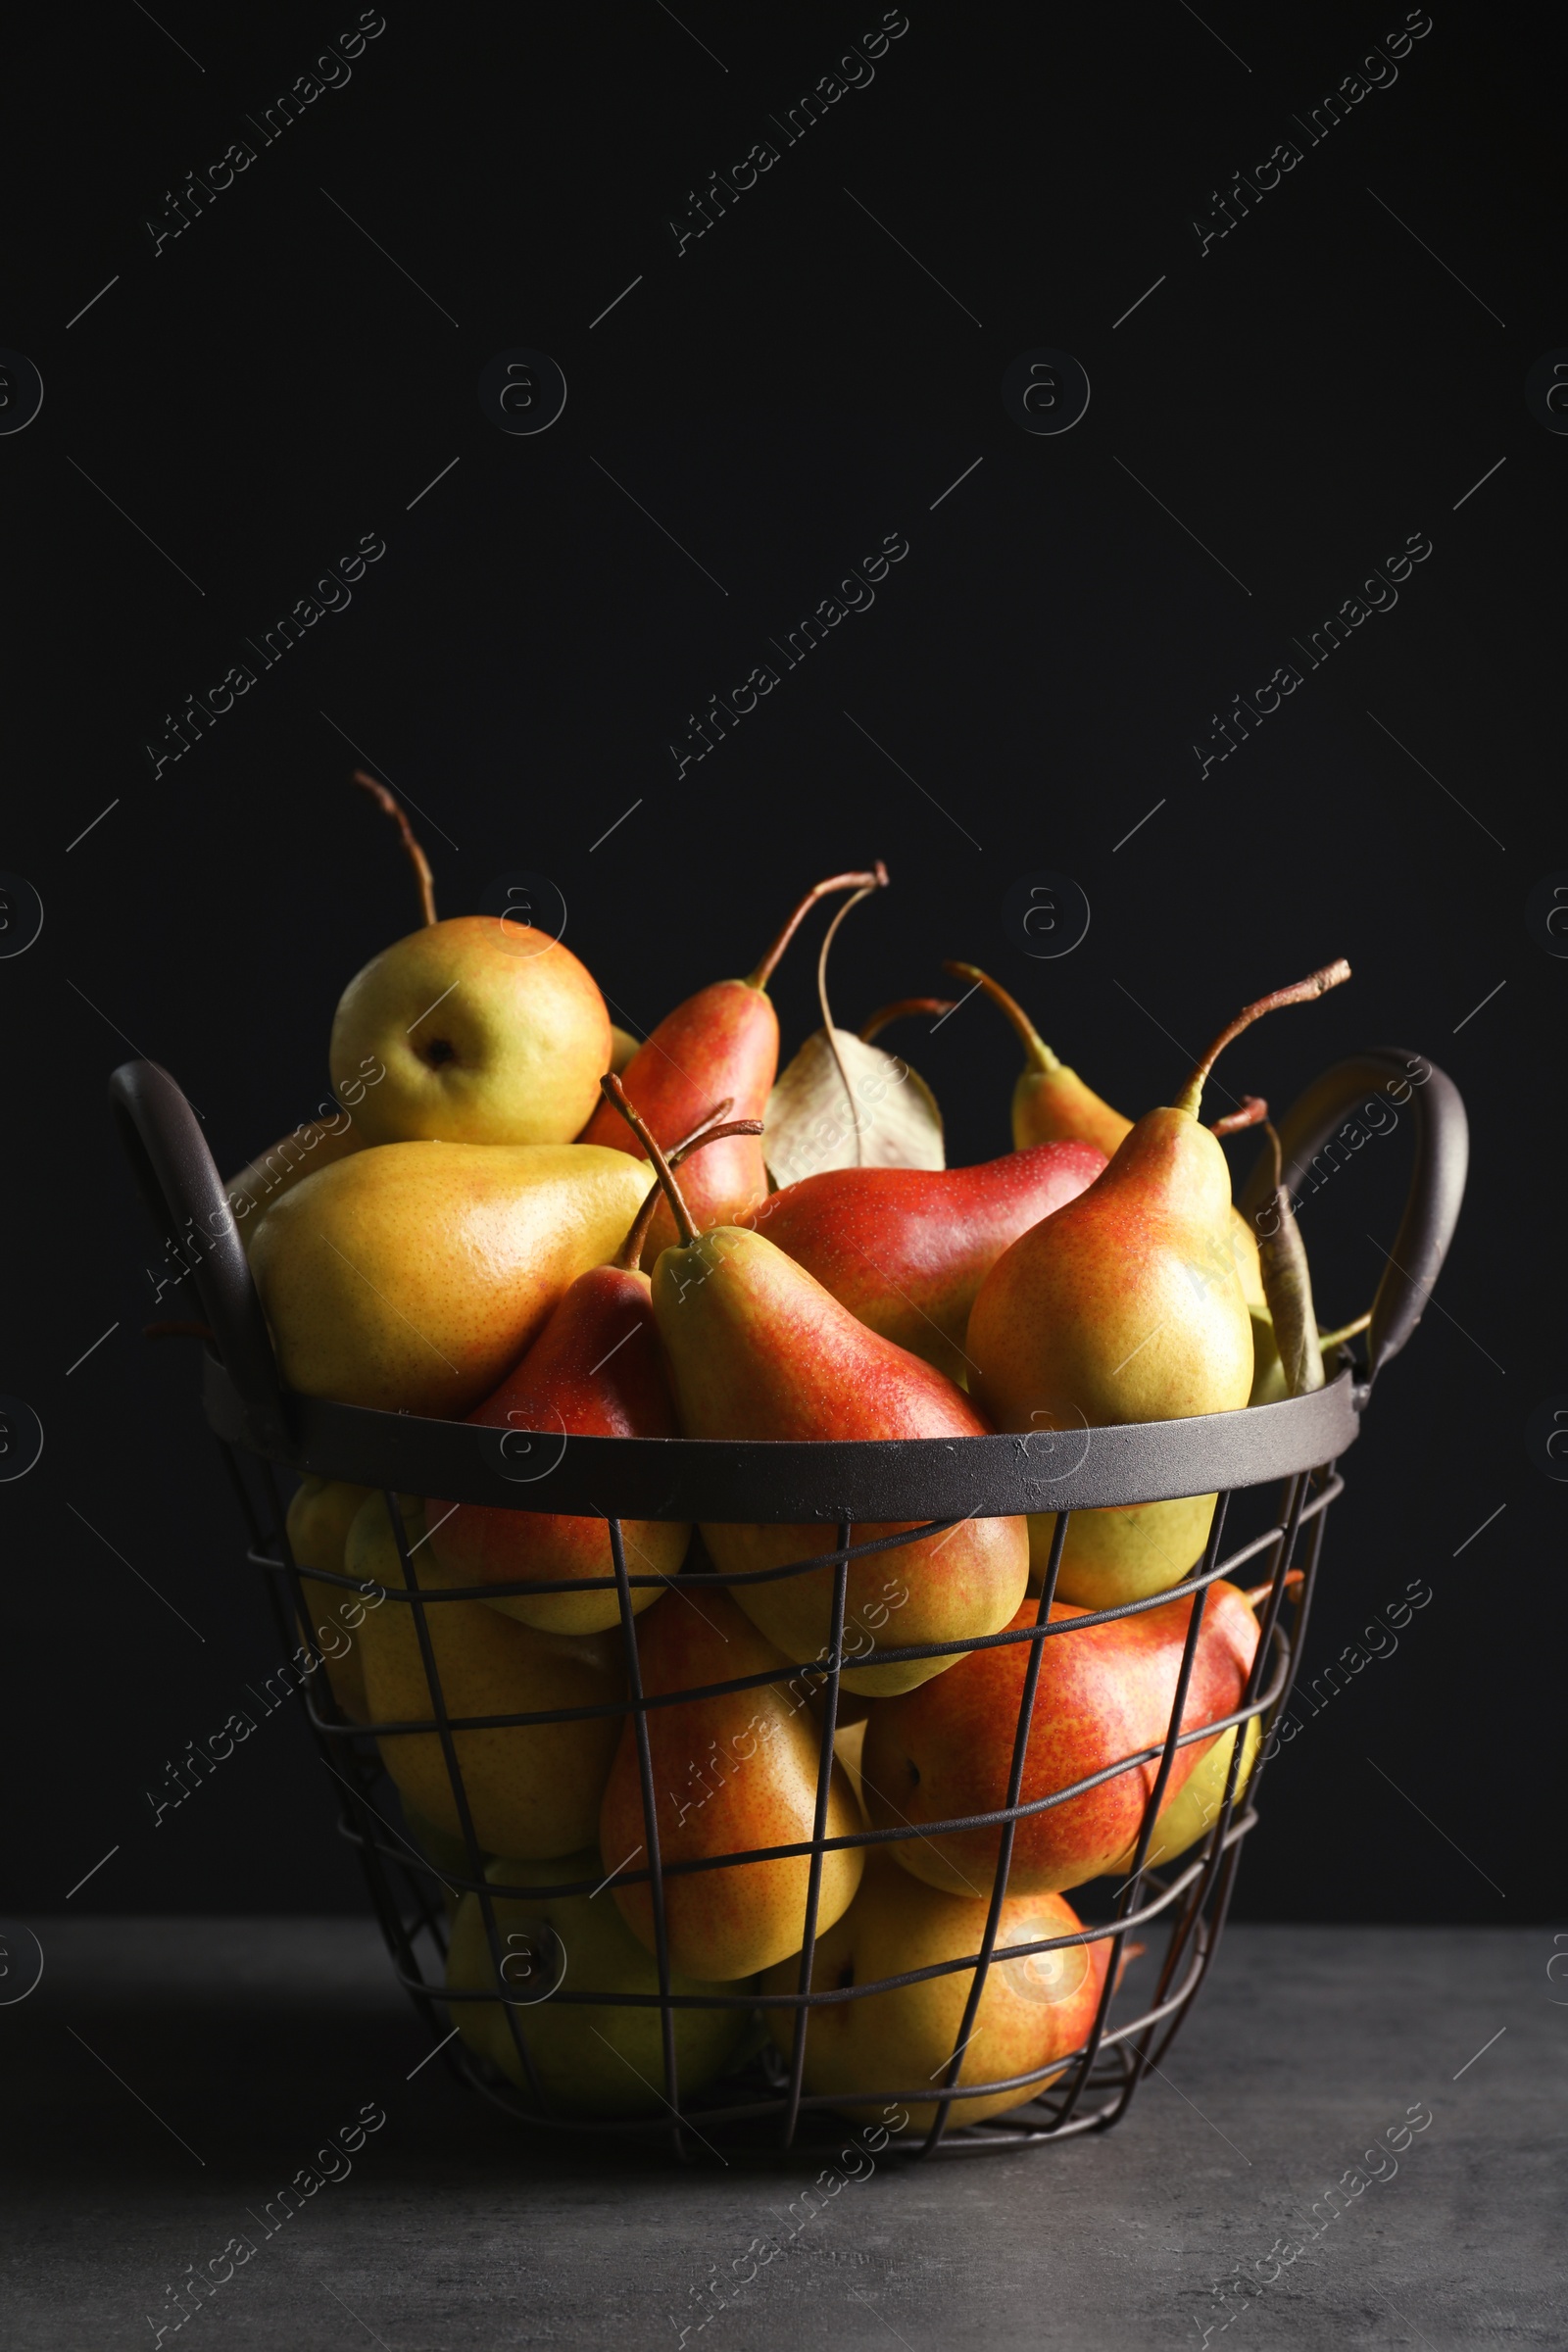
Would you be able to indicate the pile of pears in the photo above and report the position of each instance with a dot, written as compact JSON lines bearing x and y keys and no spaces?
{"x":531,"y":1221}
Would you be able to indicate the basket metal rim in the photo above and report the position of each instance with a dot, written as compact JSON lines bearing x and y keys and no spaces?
{"x":790,"y":1482}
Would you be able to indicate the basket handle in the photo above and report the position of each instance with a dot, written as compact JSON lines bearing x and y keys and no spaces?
{"x":1437,"y":1179}
{"x":185,"y":1196}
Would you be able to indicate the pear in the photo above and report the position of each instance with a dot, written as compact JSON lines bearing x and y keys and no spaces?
{"x":533,"y":1790}
{"x":756,"y":1348}
{"x":314,"y":1144}
{"x":410,"y":1277}
{"x":731,"y":1773}
{"x":592,"y":2058}
{"x":318,"y":1520}
{"x":1036,"y":2008}
{"x":905,"y":1250}
{"x":594,"y":1371}
{"x":447,"y":1856}
{"x":1105,"y":1692}
{"x":489,"y":1032}
{"x":1127,"y":1306}
{"x":1193,"y":1811}
{"x":1052,"y":1103}
{"x":722,"y":1041}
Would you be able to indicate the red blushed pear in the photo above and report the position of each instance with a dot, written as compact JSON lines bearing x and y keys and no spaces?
{"x":905,"y":1250}
{"x":724,"y":1040}
{"x":594,"y":1371}
{"x":1050,"y":1103}
{"x":1127,"y":1306}
{"x":756,"y":1348}
{"x":730,"y":1773}
{"x":945,"y":1752}
{"x":1036,"y":2008}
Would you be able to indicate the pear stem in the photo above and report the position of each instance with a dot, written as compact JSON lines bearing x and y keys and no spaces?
{"x":712,"y":1131}
{"x":906,"y":1010}
{"x":1299,"y":991}
{"x":1252,"y":1111}
{"x":827,"y":1017}
{"x":417,"y":857}
{"x":1261,"y":1593}
{"x":1039,"y":1053}
{"x":610,"y":1088}
{"x":1346,"y":1330}
{"x":875,"y":880}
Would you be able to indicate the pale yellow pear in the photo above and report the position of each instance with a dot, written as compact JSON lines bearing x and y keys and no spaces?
{"x":533,"y":1790}
{"x":592,"y":2059}
{"x":318,"y":1520}
{"x":410,"y":1277}
{"x":489,"y":1031}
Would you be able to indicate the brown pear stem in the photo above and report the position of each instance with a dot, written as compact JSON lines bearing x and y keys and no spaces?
{"x":1257,"y":1593}
{"x":1346,"y":1330}
{"x":875,"y":880}
{"x":417,"y":857}
{"x":1253,"y":1112}
{"x":1299,"y":991}
{"x":610,"y":1088}
{"x":629,"y":1256}
{"x":1038,"y":1053}
{"x":907,"y":1009}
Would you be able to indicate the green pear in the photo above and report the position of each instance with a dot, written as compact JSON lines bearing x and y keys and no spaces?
{"x":592,"y":2059}
{"x":1128,"y":1305}
{"x":489,"y":1032}
{"x":532,"y":1789}
{"x":1034,"y":2009}
{"x":413,"y":1276}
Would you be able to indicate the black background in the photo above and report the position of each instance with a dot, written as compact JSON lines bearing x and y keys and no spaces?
{"x":1304,"y":396}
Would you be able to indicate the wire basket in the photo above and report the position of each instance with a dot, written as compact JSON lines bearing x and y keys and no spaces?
{"x":927,"y":1487}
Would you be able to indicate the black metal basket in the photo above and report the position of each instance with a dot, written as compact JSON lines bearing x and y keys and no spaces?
{"x":933,"y":1484}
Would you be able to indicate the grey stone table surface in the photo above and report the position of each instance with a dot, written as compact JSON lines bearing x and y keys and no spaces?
{"x":168,"y":2076}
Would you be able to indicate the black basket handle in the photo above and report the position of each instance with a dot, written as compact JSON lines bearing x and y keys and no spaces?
{"x":1437,"y":1179}
{"x":184,"y":1196}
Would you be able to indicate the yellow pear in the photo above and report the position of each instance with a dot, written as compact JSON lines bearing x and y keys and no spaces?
{"x":319,"y":1521}
{"x":1195,"y":1805}
{"x":1035,"y":2008}
{"x":489,"y":1032}
{"x":447,"y":1856}
{"x":533,"y":1790}
{"x":592,"y":2059}
{"x":410,"y":1277}
{"x":262,"y":1181}
{"x":1128,"y":1305}
{"x":1052,"y":1103}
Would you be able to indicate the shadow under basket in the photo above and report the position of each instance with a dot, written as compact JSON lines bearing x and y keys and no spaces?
{"x":1162,"y":1926}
